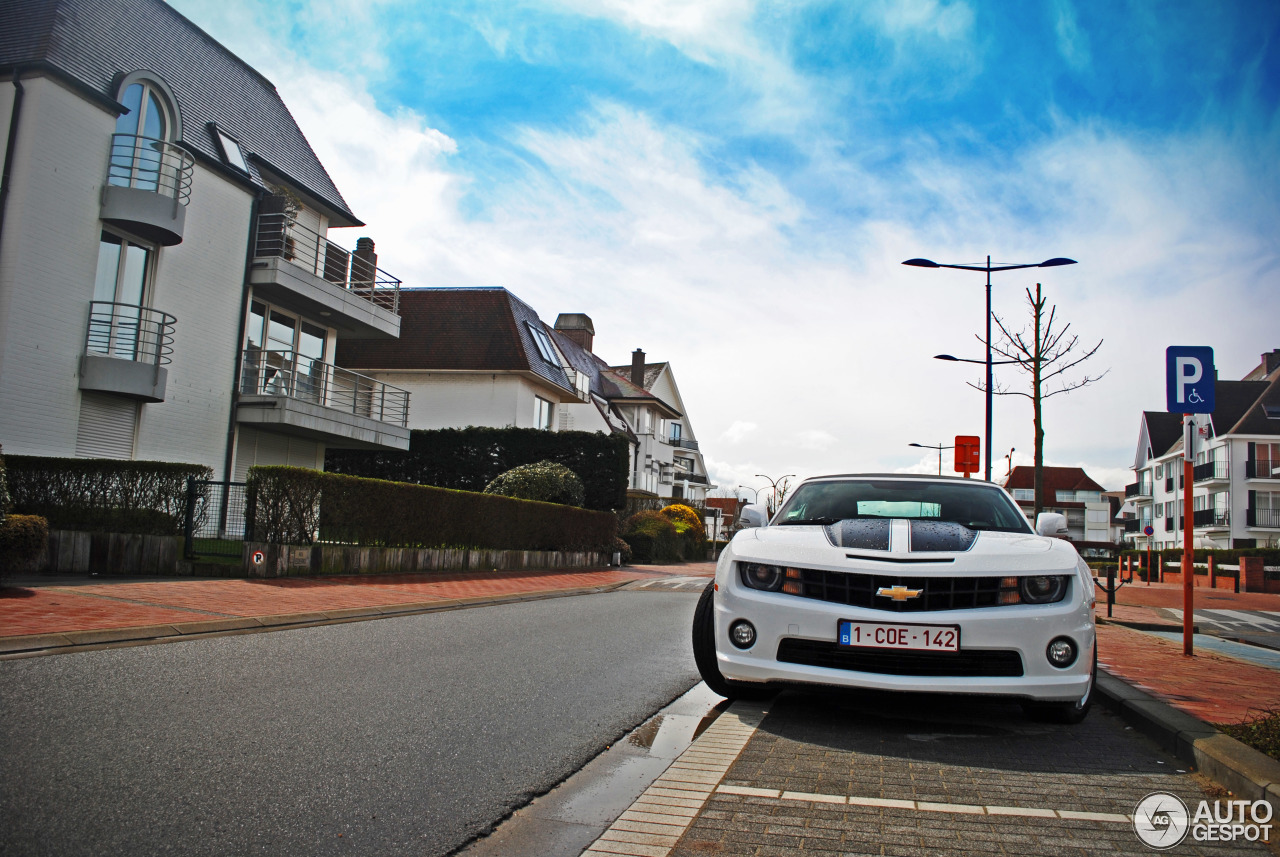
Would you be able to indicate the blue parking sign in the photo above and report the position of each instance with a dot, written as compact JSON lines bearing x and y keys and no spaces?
{"x":1189,"y":379}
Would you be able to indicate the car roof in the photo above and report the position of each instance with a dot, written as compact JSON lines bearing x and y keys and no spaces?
{"x":915,"y":477}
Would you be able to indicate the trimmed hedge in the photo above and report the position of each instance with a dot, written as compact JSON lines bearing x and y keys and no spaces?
{"x":22,"y":538}
{"x":469,"y":459}
{"x":103,"y":494}
{"x":545,"y":481}
{"x":4,"y":490}
{"x":291,"y":505}
{"x":653,"y":537}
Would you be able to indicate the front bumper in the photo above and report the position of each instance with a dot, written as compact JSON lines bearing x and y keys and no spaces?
{"x":1025,"y":629}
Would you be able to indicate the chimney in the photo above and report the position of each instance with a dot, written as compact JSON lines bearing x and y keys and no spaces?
{"x":364,"y":263}
{"x":576,"y":326}
{"x":1272,"y":360}
{"x":637,"y":368}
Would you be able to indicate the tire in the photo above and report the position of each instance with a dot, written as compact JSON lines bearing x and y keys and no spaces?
{"x":704,"y":653}
{"x":1066,"y":712}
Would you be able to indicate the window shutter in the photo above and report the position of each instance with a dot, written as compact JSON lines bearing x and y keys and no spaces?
{"x":108,"y":426}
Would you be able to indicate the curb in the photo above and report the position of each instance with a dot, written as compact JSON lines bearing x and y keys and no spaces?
{"x":1245,"y":772}
{"x":1146,"y":626}
{"x":32,"y":645}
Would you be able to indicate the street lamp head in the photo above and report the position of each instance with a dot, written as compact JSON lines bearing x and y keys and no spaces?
{"x":922,"y":263}
{"x":916,"y":444}
{"x":946,"y":357}
{"x":1055,"y":262}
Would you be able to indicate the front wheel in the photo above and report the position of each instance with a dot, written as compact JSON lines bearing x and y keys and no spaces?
{"x":1066,"y":712}
{"x":704,"y":652}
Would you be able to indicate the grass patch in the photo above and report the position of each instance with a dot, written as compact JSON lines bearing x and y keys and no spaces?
{"x":1261,"y":732}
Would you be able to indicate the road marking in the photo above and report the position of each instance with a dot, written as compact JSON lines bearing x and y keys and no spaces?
{"x":694,"y":776}
{"x":928,"y":806}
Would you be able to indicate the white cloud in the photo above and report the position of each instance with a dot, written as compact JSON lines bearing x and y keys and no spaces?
{"x":1073,"y":43}
{"x":738,"y":432}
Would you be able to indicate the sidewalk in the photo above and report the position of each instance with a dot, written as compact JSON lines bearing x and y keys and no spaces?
{"x":89,"y":611}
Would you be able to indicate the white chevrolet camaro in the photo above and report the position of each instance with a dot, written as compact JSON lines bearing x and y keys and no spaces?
{"x":908,"y":583}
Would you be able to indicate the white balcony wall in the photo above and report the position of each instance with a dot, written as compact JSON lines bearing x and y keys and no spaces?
{"x":47,"y":269}
{"x":459,"y":399}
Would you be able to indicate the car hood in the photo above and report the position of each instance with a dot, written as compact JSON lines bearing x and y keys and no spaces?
{"x":985,"y":552}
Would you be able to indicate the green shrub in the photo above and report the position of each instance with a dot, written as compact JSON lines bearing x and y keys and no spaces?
{"x":103,"y":494}
{"x":689,"y":528}
{"x":292,"y":505}
{"x":652,"y":537}
{"x":468,"y":459}
{"x":545,"y":481}
{"x":22,"y":539}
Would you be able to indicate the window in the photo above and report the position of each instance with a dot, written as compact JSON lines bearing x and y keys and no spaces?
{"x":136,"y":160}
{"x":676,"y":429}
{"x":1065,"y":496}
{"x":284,"y":355}
{"x":1028,"y":494}
{"x":231,"y":151}
{"x":541,"y":413}
{"x":1159,"y":471}
{"x":1266,"y":457}
{"x":543,"y":342}
{"x":970,"y":505}
{"x":120,"y":288}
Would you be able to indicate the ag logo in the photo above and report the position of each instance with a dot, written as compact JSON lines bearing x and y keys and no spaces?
{"x":1161,"y":820}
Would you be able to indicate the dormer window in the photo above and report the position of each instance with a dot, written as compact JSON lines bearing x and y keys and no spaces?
{"x":543,"y":342}
{"x":230,"y":146}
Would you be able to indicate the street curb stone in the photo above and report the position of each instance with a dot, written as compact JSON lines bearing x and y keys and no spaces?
{"x":1245,"y":772}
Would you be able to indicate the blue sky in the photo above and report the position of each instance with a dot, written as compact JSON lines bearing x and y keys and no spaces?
{"x":732,"y":185}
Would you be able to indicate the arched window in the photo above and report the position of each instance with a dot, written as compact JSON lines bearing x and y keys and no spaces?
{"x":140,"y":152}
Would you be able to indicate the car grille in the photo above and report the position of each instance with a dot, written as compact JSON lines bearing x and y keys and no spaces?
{"x":937,"y":593}
{"x":816,"y":653}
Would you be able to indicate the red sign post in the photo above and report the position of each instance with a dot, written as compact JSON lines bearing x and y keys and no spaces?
{"x":968,"y":454}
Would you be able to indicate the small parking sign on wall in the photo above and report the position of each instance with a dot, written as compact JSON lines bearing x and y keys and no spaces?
{"x":1189,"y":379}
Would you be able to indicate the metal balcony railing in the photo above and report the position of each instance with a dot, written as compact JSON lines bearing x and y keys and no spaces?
{"x":129,"y":332}
{"x":683,"y":443}
{"x":1212,"y":471}
{"x":692,"y":478}
{"x":1132,"y":525}
{"x":293,"y":376}
{"x":278,"y":235}
{"x":1211,"y":518}
{"x":1269,"y":518}
{"x":1137,"y":489}
{"x":149,"y":164}
{"x":1261,"y":469}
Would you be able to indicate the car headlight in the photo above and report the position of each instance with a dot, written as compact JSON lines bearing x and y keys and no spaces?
{"x":1043,"y":588}
{"x":759,"y":576}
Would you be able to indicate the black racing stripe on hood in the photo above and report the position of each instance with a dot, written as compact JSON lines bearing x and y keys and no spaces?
{"x":940,"y":536}
{"x":866,"y":534}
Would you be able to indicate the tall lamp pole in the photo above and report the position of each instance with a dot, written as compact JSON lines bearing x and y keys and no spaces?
{"x":774,"y":485}
{"x":1047,"y":263}
{"x":939,"y":447}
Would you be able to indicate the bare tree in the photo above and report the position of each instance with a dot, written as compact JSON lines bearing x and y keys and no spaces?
{"x":1045,"y":354}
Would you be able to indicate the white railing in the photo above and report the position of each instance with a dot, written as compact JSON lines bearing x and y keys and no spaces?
{"x":294,"y":376}
{"x":129,"y":332}
{"x":149,"y":164}
{"x":278,"y":235}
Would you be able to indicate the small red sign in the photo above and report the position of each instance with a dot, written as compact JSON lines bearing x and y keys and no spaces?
{"x":967,"y":453}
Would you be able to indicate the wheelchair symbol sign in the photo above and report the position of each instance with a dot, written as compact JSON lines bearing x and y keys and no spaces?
{"x":1189,"y":379}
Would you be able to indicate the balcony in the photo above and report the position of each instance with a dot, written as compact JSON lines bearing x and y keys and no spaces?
{"x":691,"y":478}
{"x":126,"y":348}
{"x":1212,"y":471}
{"x":1211,"y":519}
{"x":1264,"y":469}
{"x":147,"y":188}
{"x":1138,"y":490}
{"x":287,"y":392}
{"x":1132,"y":525}
{"x":298,"y":268}
{"x":1267,"y":519}
{"x":683,"y":443}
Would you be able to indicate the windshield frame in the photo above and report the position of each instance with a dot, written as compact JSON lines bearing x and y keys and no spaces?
{"x":987,"y":492}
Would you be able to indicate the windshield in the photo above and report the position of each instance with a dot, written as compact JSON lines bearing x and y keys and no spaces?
{"x":978,"y":506}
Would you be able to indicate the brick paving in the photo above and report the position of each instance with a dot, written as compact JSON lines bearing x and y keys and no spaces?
{"x":59,"y":609}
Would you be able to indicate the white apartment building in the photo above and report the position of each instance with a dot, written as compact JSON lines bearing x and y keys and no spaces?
{"x":168,"y":289}
{"x":1236,"y":470}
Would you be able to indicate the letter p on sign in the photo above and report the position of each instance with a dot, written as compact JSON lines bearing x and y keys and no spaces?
{"x":1189,"y":379}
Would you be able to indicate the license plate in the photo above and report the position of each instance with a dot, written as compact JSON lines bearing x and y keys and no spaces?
{"x":880,"y":635}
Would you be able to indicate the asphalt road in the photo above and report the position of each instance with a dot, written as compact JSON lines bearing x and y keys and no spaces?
{"x":400,"y":736}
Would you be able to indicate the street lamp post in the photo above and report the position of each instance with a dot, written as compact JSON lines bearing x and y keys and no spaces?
{"x":931,"y":446}
{"x":1047,"y":263}
{"x":773,"y":484}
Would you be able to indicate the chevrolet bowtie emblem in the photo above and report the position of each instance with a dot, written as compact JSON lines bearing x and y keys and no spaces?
{"x":898,"y":593}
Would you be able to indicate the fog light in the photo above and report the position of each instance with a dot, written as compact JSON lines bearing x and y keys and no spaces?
{"x":1061,"y":653}
{"x":742,"y":634}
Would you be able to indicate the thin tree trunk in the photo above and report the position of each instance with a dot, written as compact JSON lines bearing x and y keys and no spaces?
{"x":1036,"y":409}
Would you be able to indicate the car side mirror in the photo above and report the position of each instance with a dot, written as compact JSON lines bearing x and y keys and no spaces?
{"x":752,"y":515}
{"x":1051,"y":524}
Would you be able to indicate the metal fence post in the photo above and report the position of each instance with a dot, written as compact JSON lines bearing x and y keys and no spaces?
{"x":189,"y":542}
